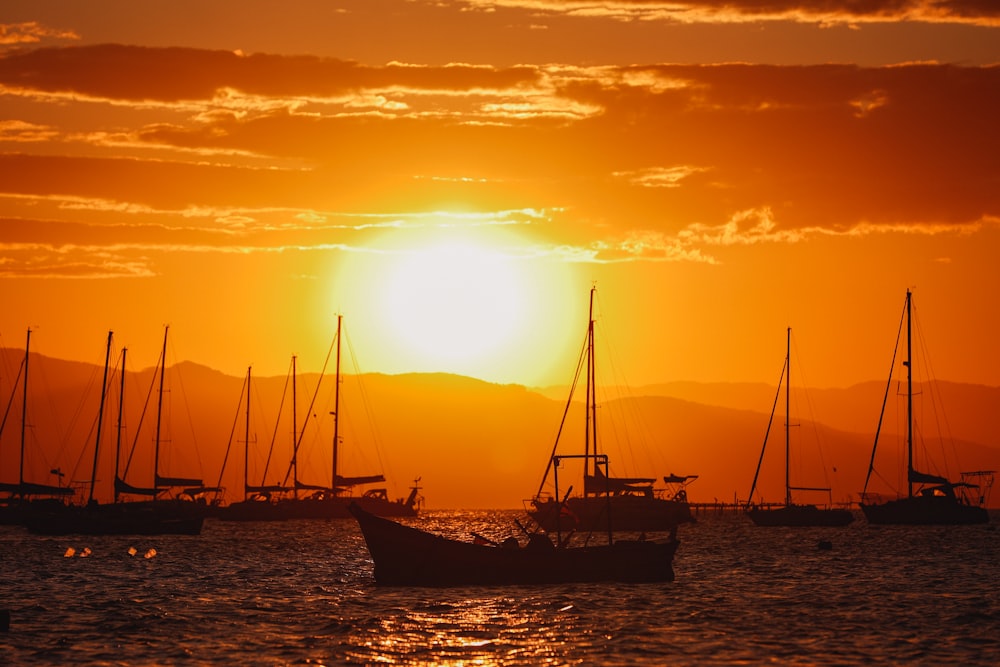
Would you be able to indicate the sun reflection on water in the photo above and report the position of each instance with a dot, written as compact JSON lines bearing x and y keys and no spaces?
{"x":473,"y":631}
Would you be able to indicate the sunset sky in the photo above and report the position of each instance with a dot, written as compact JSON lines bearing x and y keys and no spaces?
{"x":453,"y":176}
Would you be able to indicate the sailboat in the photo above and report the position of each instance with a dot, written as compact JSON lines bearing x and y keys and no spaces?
{"x":617,"y":503}
{"x":930,"y":499}
{"x":281,"y":502}
{"x":155,"y":516}
{"x":792,"y":514}
{"x":26,"y":498}
{"x":258,"y":503}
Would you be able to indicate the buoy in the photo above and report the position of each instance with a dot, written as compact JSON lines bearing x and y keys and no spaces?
{"x":825,"y":545}
{"x":4,"y":620}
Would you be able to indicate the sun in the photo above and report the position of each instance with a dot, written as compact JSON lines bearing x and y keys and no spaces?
{"x":453,"y":302}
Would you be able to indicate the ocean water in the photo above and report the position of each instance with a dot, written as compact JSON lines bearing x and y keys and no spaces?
{"x":301,"y":593}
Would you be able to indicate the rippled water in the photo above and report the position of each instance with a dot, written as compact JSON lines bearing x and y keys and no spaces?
{"x":302,"y":593}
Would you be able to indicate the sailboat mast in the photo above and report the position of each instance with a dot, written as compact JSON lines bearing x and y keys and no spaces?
{"x":788,"y":415}
{"x":100,"y":419}
{"x":909,"y":398}
{"x":295,"y":435}
{"x":336,"y":411}
{"x":24,"y":410}
{"x":591,"y":426}
{"x":246,"y":442}
{"x":159,"y":413}
{"x":121,"y":405}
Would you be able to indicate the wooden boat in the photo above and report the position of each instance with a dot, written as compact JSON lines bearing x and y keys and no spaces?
{"x":300,"y":500}
{"x":792,"y":514}
{"x":407,"y":556}
{"x":180,"y":515}
{"x":633,"y":501}
{"x":930,"y":499}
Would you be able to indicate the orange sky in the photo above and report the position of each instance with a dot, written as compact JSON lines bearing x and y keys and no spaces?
{"x":453,"y":176}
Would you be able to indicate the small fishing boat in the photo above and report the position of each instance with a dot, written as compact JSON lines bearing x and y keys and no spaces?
{"x":930,"y":499}
{"x":406,"y":556}
{"x":791,"y":513}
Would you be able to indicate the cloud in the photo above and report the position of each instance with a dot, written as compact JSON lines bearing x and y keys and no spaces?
{"x":135,"y":73}
{"x":976,"y":12}
{"x":655,"y":162}
{"x":32,"y":32}
{"x":19,"y":131}
{"x":659,"y":177}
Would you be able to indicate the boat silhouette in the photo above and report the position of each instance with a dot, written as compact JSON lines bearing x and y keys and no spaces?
{"x":791,"y":513}
{"x":930,"y":498}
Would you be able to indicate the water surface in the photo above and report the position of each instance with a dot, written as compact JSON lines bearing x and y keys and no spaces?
{"x":302,"y":593}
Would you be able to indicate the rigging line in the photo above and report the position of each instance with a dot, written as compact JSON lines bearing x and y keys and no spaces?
{"x":277,"y":426}
{"x":142,"y":418}
{"x":309,"y":412}
{"x":885,"y":398}
{"x":84,"y":449}
{"x":944,"y":433}
{"x":232,"y":432}
{"x":618,"y":427}
{"x":629,"y":408}
{"x":366,"y":404}
{"x":4,"y":357}
{"x":770,"y":421}
{"x":93,"y":424}
{"x":118,"y":375}
{"x":62,"y":433}
{"x":805,"y":395}
{"x":187,"y":409}
{"x":569,"y":402}
{"x":13,"y":393}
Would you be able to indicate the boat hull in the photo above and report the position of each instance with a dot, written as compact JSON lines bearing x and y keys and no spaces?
{"x":924,"y":510}
{"x":16,"y":512}
{"x":141,"y":518}
{"x":800,"y":516}
{"x":628,"y":514}
{"x":311,"y":508}
{"x":406,"y":556}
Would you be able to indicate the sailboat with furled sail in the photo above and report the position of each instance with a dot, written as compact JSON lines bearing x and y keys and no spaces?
{"x":930,"y":498}
{"x":791,"y":513}
{"x":25,"y":498}
{"x":156,"y":515}
{"x":259,"y":500}
{"x":607,"y":503}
